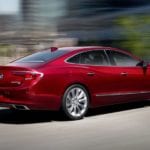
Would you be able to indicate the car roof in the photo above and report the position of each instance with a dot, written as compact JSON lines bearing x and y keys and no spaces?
{"x":83,"y":47}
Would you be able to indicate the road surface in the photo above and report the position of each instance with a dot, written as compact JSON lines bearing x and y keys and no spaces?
{"x":122,"y":127}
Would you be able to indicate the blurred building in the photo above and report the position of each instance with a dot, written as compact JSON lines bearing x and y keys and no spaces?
{"x":94,"y":19}
{"x":41,"y":21}
{"x":42,"y":13}
{"x":35,"y":21}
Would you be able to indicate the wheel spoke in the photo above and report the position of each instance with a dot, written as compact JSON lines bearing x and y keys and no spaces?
{"x":73,"y":93}
{"x":81,"y":105}
{"x":81,"y":95}
{"x":82,"y":101}
{"x":78,"y":92}
{"x":80,"y":108}
{"x":71,"y":108}
{"x":69,"y":96}
{"x":68,"y":103}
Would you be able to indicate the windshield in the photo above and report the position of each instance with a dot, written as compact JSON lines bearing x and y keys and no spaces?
{"x":42,"y":56}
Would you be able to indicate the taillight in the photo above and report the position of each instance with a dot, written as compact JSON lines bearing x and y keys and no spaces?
{"x":28,"y":75}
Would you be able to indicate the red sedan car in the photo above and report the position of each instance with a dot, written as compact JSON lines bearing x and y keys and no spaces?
{"x":73,"y":79}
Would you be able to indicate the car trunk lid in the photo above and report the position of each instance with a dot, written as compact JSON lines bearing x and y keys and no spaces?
{"x":14,"y":76}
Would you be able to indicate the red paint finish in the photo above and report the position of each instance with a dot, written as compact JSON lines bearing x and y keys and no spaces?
{"x":41,"y":85}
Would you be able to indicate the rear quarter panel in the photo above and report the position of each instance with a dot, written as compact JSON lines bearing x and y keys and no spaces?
{"x":58,"y":78}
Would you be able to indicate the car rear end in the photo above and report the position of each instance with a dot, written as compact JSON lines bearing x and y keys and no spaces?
{"x":15,"y":84}
{"x":24,"y":83}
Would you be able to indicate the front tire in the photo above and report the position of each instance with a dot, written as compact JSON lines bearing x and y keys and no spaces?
{"x":75,"y":102}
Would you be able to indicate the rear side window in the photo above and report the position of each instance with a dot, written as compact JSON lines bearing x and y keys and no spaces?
{"x":42,"y":56}
{"x":97,"y":57}
{"x":75,"y":59}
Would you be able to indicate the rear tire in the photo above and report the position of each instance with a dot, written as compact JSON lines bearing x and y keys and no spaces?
{"x":75,"y":102}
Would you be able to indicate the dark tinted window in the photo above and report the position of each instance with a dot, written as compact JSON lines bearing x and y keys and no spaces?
{"x":121,"y":59}
{"x":91,"y":58}
{"x":75,"y":59}
{"x":42,"y":56}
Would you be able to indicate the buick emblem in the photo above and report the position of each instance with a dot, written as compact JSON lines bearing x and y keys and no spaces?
{"x":1,"y":76}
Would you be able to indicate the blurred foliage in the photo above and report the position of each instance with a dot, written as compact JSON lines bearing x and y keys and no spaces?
{"x":137,"y":34}
{"x":6,"y":50}
{"x":12,"y":50}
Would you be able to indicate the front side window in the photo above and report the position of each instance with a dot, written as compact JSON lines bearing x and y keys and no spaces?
{"x":91,"y":58}
{"x":122,"y":59}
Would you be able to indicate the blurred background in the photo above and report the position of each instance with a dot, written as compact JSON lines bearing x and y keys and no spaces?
{"x":30,"y":25}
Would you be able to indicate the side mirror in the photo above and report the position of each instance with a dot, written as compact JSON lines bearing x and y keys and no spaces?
{"x":143,"y":64}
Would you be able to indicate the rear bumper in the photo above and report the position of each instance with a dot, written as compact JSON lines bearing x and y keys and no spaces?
{"x":14,"y":106}
{"x":31,"y":102}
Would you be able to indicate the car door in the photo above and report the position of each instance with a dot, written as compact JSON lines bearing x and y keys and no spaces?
{"x":98,"y":75}
{"x":132,"y":76}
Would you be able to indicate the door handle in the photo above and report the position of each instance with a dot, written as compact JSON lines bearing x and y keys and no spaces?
{"x":90,"y":73}
{"x":124,"y":74}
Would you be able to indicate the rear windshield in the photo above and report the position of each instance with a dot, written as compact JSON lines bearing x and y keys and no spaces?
{"x":42,"y":56}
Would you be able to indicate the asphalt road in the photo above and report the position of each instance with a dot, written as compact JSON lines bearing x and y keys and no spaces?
{"x":123,"y":127}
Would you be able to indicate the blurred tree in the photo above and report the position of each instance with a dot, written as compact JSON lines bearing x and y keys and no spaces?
{"x":136,"y":34}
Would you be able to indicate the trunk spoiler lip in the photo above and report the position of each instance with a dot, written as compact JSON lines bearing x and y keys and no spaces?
{"x":16,"y":67}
